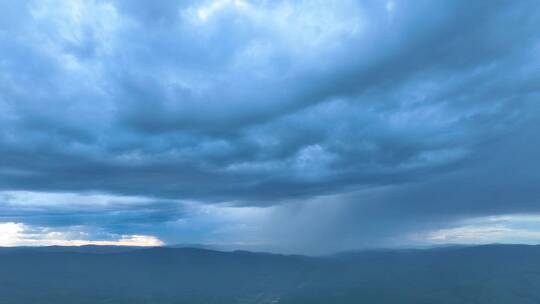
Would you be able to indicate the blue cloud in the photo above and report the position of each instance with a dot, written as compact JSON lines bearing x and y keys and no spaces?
{"x":256,"y":103}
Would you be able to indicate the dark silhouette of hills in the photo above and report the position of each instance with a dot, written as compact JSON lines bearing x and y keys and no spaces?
{"x":94,"y":274}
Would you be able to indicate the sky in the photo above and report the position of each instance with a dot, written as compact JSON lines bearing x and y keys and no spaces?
{"x":284,"y":126}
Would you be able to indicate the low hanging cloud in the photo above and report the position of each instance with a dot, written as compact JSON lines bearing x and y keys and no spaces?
{"x":375,"y":120}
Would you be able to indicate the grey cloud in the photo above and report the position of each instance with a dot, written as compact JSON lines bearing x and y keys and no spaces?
{"x":144,"y":100}
{"x":114,"y":216}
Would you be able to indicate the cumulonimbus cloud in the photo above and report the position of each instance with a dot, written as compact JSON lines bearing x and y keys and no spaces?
{"x":256,"y":103}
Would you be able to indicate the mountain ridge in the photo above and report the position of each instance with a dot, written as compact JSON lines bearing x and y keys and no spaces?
{"x":470,"y":274}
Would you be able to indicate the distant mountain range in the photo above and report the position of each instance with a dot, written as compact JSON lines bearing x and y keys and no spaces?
{"x":107,"y":274}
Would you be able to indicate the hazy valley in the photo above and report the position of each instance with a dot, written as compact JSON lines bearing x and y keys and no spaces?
{"x":481,"y":274}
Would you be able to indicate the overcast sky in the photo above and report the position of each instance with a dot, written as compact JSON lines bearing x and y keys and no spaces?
{"x":291,"y":126}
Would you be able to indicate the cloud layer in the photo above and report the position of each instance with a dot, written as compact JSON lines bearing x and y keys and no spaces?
{"x":368,"y":120}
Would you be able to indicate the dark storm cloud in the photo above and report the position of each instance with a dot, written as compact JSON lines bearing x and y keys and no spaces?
{"x":114,"y":214}
{"x":262,"y":104}
{"x":502,"y":179}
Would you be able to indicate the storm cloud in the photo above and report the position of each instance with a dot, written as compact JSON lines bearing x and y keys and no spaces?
{"x":365,"y":121}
